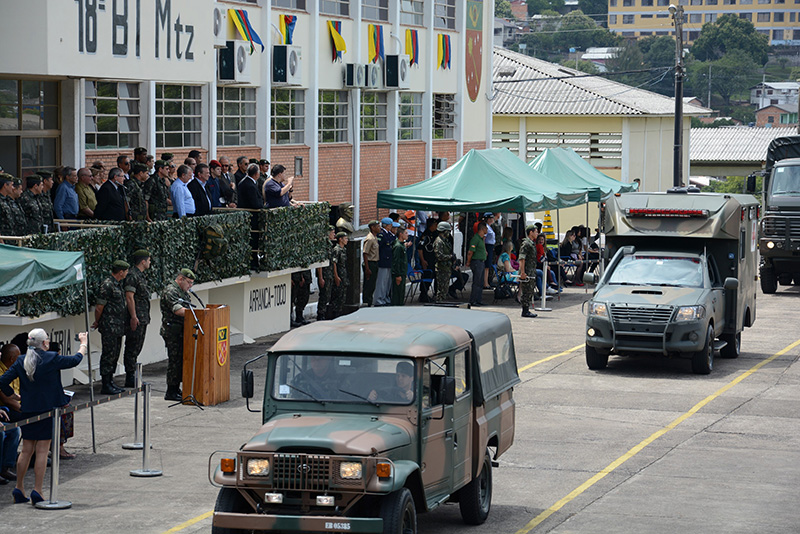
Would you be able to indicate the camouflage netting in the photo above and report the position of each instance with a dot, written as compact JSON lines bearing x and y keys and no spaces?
{"x":294,"y":237}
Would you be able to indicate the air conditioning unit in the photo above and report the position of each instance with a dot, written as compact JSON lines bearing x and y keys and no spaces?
{"x":353,"y":75}
{"x":438,"y":164}
{"x":234,"y":62}
{"x":286,"y":65}
{"x":372,"y":76}
{"x":397,"y":72}
{"x":220,"y":26}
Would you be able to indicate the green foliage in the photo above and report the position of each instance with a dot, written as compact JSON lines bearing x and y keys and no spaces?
{"x":293,"y":237}
{"x":629,"y":58}
{"x":598,"y":9}
{"x":538,"y":7}
{"x":502,"y":9}
{"x":732,"y":184}
{"x":729,"y":75}
{"x":697,"y":123}
{"x":581,"y":32}
{"x":729,"y":33}
{"x":584,"y":66}
{"x":659,"y":53}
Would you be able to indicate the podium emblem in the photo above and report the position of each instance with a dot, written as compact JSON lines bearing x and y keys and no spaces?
{"x":223,"y":347}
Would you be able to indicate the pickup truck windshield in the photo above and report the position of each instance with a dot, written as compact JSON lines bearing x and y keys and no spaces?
{"x":358,"y":378}
{"x":658,"y":271}
{"x":786,"y":181}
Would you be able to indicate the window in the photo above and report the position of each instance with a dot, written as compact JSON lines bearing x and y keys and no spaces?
{"x":646,"y":16}
{"x":788,"y":118}
{"x":711,"y":2}
{"x":711,"y":17}
{"x":763,"y":17}
{"x":612,"y":3}
{"x":461,"y":372}
{"x":765,"y":33}
{"x":444,"y":14}
{"x":764,"y":1}
{"x":693,"y":35}
{"x":410,"y":126}
{"x":728,"y":2}
{"x":444,"y":123}
{"x":627,"y":3}
{"x":628,"y":19}
{"x":743,"y":2}
{"x":178,"y":116}
{"x":335,"y":7}
{"x":696,"y":2}
{"x":236,"y":116}
{"x":770,"y":119}
{"x":663,"y":3}
{"x":291,"y":4}
{"x":777,"y":35}
{"x":695,"y":18}
{"x":411,"y":12}
{"x":612,"y":19}
{"x":647,"y":3}
{"x":373,"y":116}
{"x":662,"y":16}
{"x":796,"y":35}
{"x":333,"y":116}
{"x":375,"y":9}
{"x":288,"y":117}
{"x":777,"y":16}
{"x":792,"y":17}
{"x":112,"y":115}
{"x":746,"y":16}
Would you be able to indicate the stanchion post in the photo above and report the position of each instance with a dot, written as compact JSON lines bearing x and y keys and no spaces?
{"x":136,"y":445}
{"x":54,"y":503}
{"x":145,"y":471}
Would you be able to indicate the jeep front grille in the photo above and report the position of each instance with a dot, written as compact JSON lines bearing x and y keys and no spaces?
{"x":301,"y":472}
{"x":641,"y":314}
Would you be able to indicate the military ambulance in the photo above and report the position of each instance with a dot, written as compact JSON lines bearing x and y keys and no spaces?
{"x":682,"y":279}
{"x":372,"y":418}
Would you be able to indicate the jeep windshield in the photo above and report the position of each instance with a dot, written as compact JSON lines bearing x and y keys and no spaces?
{"x":786,"y":181}
{"x":360,"y":379}
{"x":648,"y":270}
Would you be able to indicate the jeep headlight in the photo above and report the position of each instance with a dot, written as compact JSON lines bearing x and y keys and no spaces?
{"x":598,"y":308}
{"x":258,"y":467}
{"x":690,"y":313}
{"x":350,"y":470}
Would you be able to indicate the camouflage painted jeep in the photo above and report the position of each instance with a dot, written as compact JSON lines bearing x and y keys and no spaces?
{"x":371,"y":418}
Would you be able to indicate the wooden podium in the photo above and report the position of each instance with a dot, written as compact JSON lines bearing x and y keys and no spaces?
{"x":212,"y":377}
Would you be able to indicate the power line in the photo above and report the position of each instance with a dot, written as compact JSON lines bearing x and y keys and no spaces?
{"x":600,"y":74}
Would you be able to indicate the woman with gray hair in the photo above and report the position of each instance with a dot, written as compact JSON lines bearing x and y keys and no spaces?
{"x":39,"y":373}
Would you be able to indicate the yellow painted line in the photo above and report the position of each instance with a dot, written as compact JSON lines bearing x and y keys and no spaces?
{"x":190,"y":522}
{"x":536,"y":521}
{"x":553,"y":357}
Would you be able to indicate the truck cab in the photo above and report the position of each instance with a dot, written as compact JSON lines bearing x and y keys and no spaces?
{"x":779,"y":239}
{"x":371,"y":419}
{"x":681,"y":282}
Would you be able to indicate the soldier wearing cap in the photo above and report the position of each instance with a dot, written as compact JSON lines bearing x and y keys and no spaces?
{"x":371,"y":255}
{"x":325,"y":278}
{"x":45,"y":201}
{"x":527,"y":269}
{"x":340,"y":278}
{"x":443,"y":250}
{"x":109,"y":319}
{"x":174,"y":303}
{"x":29,"y":203}
{"x":134,"y":190}
{"x":156,"y":192}
{"x":263,"y":168}
{"x":137,"y":300}
{"x":12,"y":218}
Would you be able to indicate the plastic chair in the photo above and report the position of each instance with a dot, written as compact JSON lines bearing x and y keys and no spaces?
{"x":414,"y":278}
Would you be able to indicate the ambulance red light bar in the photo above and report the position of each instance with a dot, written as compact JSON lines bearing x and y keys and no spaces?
{"x":664,"y":212}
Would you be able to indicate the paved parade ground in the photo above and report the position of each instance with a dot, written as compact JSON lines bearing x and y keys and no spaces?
{"x":644,"y":446}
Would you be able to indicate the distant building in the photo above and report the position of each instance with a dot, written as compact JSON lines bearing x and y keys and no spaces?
{"x":731,"y":150}
{"x":600,"y":55}
{"x":775,"y":115}
{"x":767,"y":93}
{"x":505,"y":32}
{"x":693,"y":100}
{"x":519,"y":8}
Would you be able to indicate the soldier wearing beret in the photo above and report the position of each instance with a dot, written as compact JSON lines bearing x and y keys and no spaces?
{"x":340,"y":278}
{"x":12,"y":219}
{"x":45,"y":200}
{"x":137,"y":300}
{"x":263,"y":168}
{"x":156,"y":192}
{"x":29,"y":203}
{"x":325,"y":278}
{"x":134,"y":190}
{"x":174,"y":303}
{"x":109,"y":319}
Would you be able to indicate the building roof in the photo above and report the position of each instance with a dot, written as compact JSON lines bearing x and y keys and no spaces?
{"x":777,"y":85}
{"x":733,"y":143}
{"x":548,"y":89}
{"x":788,"y":108}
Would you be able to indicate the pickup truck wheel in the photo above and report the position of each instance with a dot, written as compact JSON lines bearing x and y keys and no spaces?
{"x":734,"y":346}
{"x":475,"y":499}
{"x":230,"y":500}
{"x":703,"y":359}
{"x":769,"y":282}
{"x":594,"y":359}
{"x":399,"y":513}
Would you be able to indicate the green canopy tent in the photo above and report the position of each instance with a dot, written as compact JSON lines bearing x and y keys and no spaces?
{"x":26,"y":270}
{"x":565,"y":167}
{"x":484,"y":180}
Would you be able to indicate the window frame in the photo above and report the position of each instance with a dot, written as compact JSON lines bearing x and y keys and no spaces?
{"x":247,"y":136}
{"x":410,"y":17}
{"x":92,"y":94}
{"x":337,"y":128}
{"x":444,"y":14}
{"x":188,"y":139}
{"x":339,"y":8}
{"x":374,"y":117}
{"x":370,"y":8}
{"x":443,"y":129}
{"x":414,"y":116}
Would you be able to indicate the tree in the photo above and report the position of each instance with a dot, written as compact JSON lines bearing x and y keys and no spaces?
{"x":597,"y":9}
{"x":731,"y":184}
{"x":502,"y":9}
{"x":584,"y":66}
{"x":538,"y":7}
{"x":659,"y":53}
{"x":629,"y":58}
{"x":729,"y":75}
{"x":581,"y":32}
{"x":729,"y":33}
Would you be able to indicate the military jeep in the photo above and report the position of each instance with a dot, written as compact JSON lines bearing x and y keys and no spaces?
{"x":372,"y":418}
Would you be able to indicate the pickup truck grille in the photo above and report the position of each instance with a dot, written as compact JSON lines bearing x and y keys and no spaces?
{"x":641,"y":314}
{"x":301,"y":472}
{"x":775,"y":226}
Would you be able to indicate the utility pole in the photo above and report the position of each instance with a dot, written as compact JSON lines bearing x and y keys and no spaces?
{"x":677,"y":161}
{"x":708,"y":102}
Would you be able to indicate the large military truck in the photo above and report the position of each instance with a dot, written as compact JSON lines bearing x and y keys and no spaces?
{"x":682,"y":279}
{"x":370,"y":419}
{"x":779,"y":231}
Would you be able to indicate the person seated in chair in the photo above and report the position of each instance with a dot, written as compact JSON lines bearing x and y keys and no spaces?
{"x":319,"y":381}
{"x":402,"y":391}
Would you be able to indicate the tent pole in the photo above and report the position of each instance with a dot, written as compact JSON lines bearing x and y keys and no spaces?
{"x":89,"y":359}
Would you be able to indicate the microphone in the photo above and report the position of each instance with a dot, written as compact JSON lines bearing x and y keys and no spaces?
{"x":198,"y":298}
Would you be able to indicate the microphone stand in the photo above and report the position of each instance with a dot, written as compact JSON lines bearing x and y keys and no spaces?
{"x":191,"y":399}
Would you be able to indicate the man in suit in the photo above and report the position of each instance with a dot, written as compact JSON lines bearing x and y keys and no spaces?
{"x":199,"y":188}
{"x":111,"y":201}
{"x":250,"y":198}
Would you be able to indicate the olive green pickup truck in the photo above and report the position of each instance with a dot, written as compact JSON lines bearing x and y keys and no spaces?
{"x":372,"y":418}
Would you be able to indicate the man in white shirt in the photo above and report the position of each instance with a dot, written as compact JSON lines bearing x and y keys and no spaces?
{"x":182,"y":201}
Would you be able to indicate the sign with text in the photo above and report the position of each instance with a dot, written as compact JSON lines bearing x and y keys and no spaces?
{"x":267,"y":304}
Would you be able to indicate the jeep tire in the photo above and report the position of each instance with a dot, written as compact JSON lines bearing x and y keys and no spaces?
{"x":595,"y":359}
{"x":230,"y":500}
{"x":703,"y":359}
{"x":475,"y":499}
{"x":399,"y":513}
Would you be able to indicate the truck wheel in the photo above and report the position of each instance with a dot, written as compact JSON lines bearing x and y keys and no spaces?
{"x":594,"y":359}
{"x":769,"y":282}
{"x":797,"y":279}
{"x":475,"y":499}
{"x":703,"y":359}
{"x":785,"y":279}
{"x":398,"y":513}
{"x":230,"y":500}
{"x":731,"y":350}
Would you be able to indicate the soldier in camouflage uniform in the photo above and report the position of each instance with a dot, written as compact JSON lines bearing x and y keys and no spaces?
{"x":325,"y":279}
{"x":109,"y":319}
{"x":527,"y":269}
{"x":29,"y":203}
{"x":340,"y":278}
{"x":156,"y":192}
{"x":319,"y":381}
{"x":45,"y":201}
{"x":443,"y":250}
{"x":137,"y":299}
{"x":12,"y":219}
{"x":174,"y":302}
{"x":301,"y":290}
{"x":134,"y":190}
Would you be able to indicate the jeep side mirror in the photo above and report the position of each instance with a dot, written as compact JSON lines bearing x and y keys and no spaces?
{"x":750,"y":184}
{"x":247,"y":384}
{"x":730,"y":284}
{"x":589,"y":278}
{"x":449,"y":390}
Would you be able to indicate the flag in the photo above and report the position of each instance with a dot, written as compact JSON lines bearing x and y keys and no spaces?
{"x":287,"y":27}
{"x":375,"y":39}
{"x":444,"y":51}
{"x":337,"y":41}
{"x":412,"y":46}
{"x":246,"y":30}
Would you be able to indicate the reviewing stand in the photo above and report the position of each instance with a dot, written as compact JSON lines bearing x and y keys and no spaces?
{"x":208,"y":371}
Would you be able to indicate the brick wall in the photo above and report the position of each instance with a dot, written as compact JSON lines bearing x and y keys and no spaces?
{"x":410,"y":162}
{"x":335,"y":173}
{"x":374,"y":173}
{"x":477,"y":145}
{"x":284,"y":155}
{"x":445,"y":148}
{"x":109,"y":157}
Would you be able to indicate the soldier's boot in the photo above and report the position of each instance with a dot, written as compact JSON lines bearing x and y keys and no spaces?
{"x":526,"y":312}
{"x":109,"y":387}
{"x":130,"y":380}
{"x":173,"y":394}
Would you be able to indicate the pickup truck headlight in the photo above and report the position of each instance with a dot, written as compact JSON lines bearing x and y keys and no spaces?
{"x":350,"y":470}
{"x":598,"y":308}
{"x":690,"y":313}
{"x":258,"y":467}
